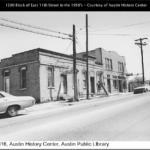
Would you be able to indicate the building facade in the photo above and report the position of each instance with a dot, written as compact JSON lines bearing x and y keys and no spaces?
{"x":46,"y":75}
{"x":114,"y":69}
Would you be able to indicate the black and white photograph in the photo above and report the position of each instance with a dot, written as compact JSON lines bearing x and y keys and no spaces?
{"x":74,"y":79}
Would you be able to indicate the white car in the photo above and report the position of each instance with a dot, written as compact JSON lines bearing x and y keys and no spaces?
{"x":10,"y":104}
{"x":141,"y":89}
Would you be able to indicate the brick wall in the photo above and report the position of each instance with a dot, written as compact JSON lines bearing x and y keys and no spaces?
{"x":20,"y":58}
{"x":30,"y":60}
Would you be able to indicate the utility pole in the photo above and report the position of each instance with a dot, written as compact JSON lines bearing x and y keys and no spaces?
{"x":87,"y":66}
{"x":74,"y":66}
{"x":141,"y":44}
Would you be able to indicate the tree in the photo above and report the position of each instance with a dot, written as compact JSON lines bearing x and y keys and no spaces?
{"x":135,"y":82}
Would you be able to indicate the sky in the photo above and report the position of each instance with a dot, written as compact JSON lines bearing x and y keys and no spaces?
{"x":111,"y":30}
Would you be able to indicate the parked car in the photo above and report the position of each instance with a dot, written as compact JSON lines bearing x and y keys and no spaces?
{"x":141,"y":89}
{"x":10,"y":104}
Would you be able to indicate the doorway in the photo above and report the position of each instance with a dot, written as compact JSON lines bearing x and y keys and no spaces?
{"x":63,"y":83}
{"x":109,"y":85}
{"x":92,"y":81}
{"x":7,"y":84}
{"x":120,"y":86}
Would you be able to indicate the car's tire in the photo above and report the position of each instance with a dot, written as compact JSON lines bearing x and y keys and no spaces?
{"x":12,"y":111}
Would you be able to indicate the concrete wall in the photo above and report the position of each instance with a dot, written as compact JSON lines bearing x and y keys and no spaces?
{"x":63,"y":65}
{"x":97,"y":53}
{"x":100,"y":55}
{"x":115,"y":58}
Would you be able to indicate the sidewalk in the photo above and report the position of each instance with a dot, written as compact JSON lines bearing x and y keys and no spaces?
{"x":61,"y":104}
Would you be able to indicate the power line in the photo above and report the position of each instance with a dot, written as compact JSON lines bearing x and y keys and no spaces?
{"x":113,"y":34}
{"x":31,"y":31}
{"x":117,"y":34}
{"x":124,"y":26}
{"x":35,"y":27}
{"x":80,"y":30}
{"x":79,"y":44}
{"x":67,"y":48}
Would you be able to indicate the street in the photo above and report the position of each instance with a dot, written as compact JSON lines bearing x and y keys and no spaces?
{"x":123,"y":117}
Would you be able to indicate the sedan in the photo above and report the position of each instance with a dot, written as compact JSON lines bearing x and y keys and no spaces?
{"x":10,"y":104}
{"x":141,"y":89}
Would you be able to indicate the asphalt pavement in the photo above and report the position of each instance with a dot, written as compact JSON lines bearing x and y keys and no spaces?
{"x":122,"y":117}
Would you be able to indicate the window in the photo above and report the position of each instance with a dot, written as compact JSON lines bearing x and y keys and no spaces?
{"x":6,"y":73}
{"x":23,"y":77}
{"x":50,"y":76}
{"x":108,"y":64}
{"x":108,"y":76}
{"x":120,"y":67}
{"x":111,"y":66}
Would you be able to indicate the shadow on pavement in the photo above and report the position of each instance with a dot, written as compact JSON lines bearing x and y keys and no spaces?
{"x":5,"y":116}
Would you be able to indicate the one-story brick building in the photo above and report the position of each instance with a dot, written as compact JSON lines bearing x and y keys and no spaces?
{"x":44,"y":74}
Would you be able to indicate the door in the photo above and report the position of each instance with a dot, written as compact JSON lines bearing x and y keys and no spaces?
{"x":92,"y":80}
{"x":64,"y":84}
{"x":109,"y":85}
{"x":7,"y":84}
{"x":120,"y":86}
